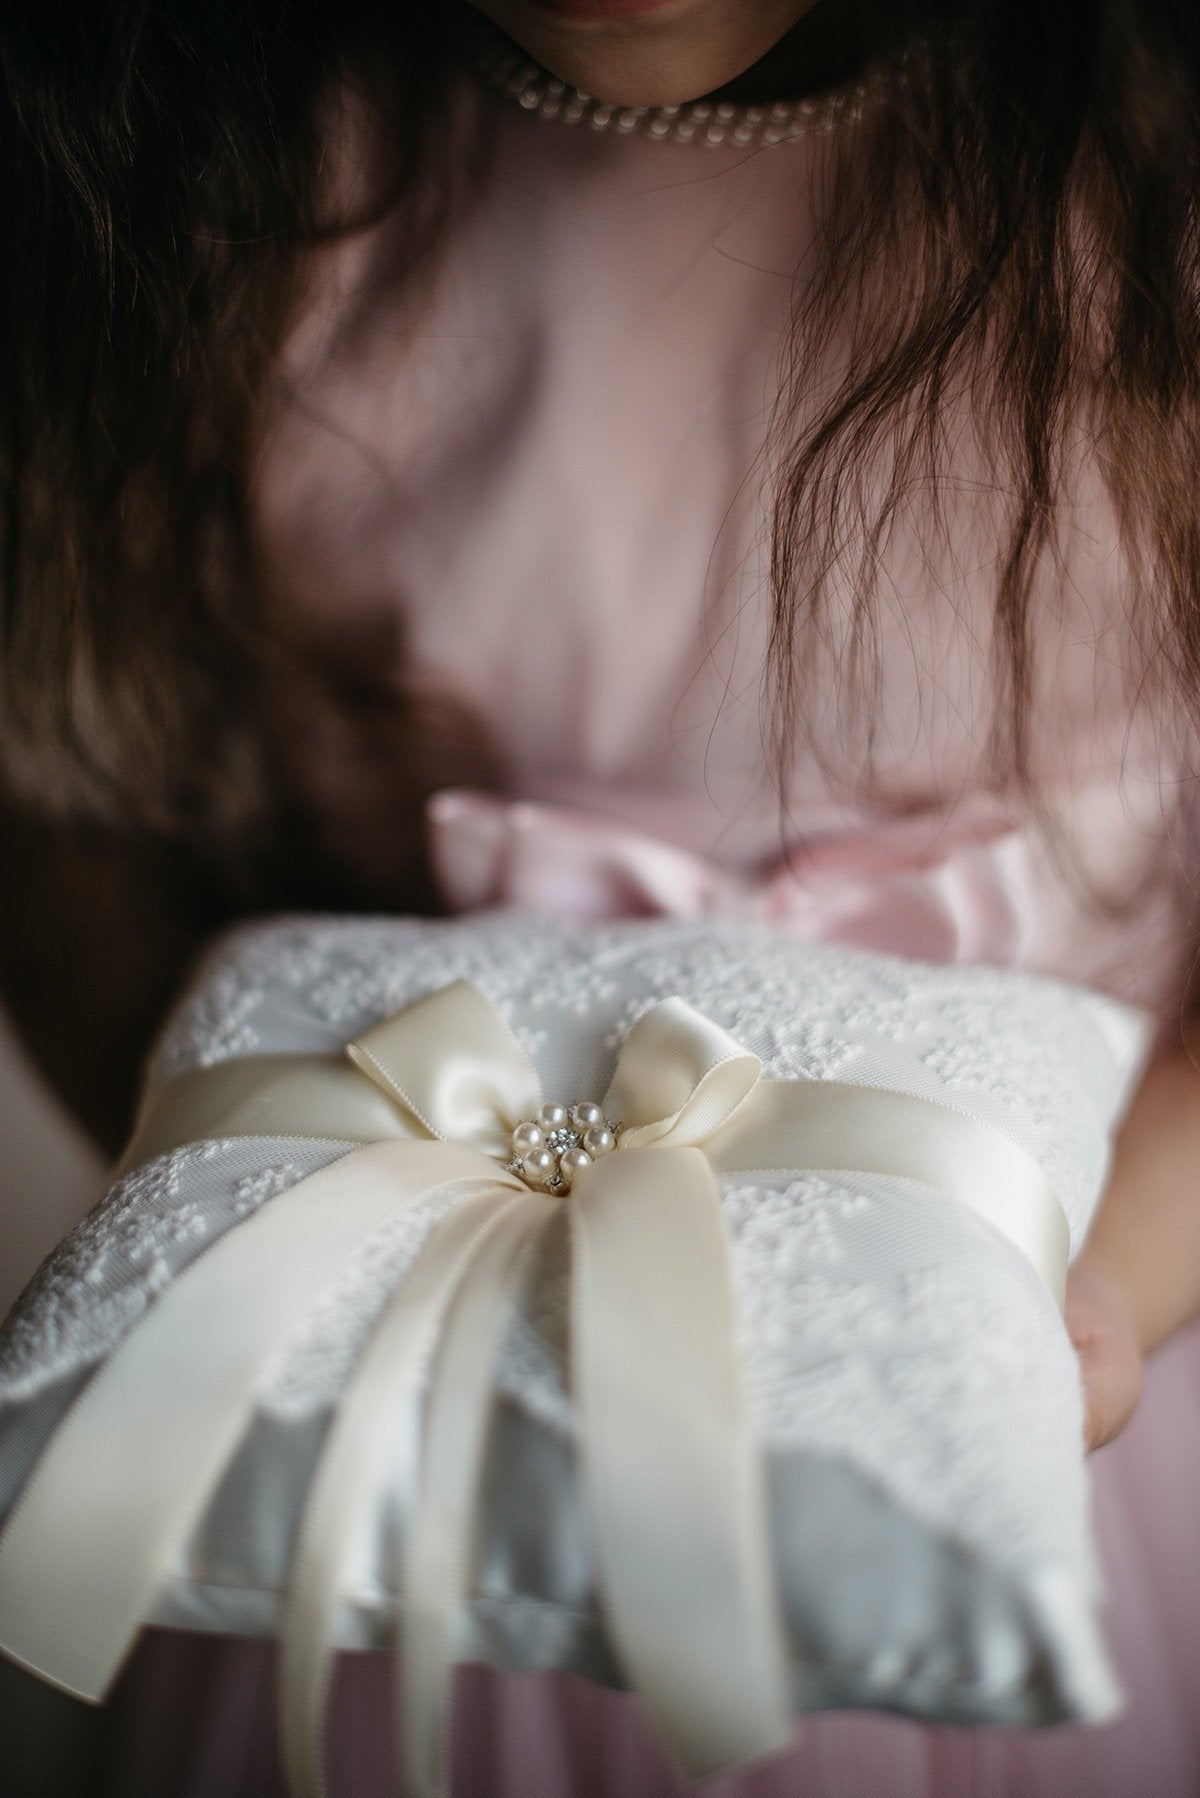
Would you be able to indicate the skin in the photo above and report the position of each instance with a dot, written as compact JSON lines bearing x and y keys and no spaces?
{"x":675,"y":52}
{"x":1137,"y":1280}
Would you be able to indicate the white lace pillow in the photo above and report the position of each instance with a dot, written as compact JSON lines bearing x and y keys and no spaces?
{"x":905,"y":1365}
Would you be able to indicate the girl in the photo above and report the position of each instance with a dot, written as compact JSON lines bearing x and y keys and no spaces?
{"x":751,"y":450}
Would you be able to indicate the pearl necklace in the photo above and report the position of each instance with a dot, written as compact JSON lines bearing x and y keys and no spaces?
{"x":506,"y":68}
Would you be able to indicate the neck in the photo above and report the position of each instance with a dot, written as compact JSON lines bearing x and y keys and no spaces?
{"x":828,"y":44}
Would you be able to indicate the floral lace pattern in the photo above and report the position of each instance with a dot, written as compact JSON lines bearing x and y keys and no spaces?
{"x":880,"y":1324}
{"x":97,"y":1284}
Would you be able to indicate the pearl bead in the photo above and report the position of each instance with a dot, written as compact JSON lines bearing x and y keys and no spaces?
{"x":554,"y":1117}
{"x":526,"y":1137}
{"x":539,"y":1166}
{"x":599,"y":1140}
{"x":585,"y":1116}
{"x":572,"y":1162}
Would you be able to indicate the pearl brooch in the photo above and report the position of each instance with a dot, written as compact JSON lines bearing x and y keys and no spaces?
{"x":550,"y":1151}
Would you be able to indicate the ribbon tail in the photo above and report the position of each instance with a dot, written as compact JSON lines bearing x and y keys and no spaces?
{"x":672,"y":1473}
{"x":353,"y":1472}
{"x":86,"y":1546}
{"x":440,"y":1541}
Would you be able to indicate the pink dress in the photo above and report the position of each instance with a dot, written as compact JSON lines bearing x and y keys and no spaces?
{"x":535,"y":491}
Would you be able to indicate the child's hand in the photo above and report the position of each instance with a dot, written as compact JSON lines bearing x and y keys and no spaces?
{"x":1138,"y":1277}
{"x":1101,"y":1328}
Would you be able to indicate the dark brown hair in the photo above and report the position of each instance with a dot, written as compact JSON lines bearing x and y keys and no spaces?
{"x":1025,"y":231}
{"x":1033,"y":196}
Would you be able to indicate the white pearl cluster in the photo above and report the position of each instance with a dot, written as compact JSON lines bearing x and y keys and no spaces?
{"x":506,"y":68}
{"x":549,"y":1151}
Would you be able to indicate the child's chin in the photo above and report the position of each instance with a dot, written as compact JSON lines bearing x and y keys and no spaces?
{"x":642,"y":52}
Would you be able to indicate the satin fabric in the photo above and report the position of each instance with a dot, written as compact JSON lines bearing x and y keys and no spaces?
{"x":193,"y":1715}
{"x":972,"y":884}
{"x":962,"y":891}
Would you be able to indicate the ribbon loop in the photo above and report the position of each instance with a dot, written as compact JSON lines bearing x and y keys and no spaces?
{"x":679,"y":1078}
{"x":451,"y":1060}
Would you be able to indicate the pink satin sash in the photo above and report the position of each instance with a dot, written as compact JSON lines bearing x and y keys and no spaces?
{"x":960,"y":890}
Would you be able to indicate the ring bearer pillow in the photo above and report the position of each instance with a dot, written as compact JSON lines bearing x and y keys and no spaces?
{"x":671,"y":1303}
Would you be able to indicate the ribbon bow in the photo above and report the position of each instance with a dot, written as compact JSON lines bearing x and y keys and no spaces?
{"x":670,"y":1471}
{"x":650,"y":1290}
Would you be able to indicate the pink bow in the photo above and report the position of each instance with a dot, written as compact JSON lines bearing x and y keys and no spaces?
{"x":944,"y":888}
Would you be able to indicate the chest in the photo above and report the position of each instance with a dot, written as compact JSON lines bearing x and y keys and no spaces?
{"x":534,"y":490}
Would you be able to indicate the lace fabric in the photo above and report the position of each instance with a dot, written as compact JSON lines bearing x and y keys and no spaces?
{"x":881,"y":1326}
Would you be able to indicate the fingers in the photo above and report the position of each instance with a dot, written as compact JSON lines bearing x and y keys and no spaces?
{"x":1112,"y":1384}
{"x":1103,"y":1335}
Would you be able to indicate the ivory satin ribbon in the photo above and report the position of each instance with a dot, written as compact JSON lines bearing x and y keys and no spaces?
{"x":655,"y":1377}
